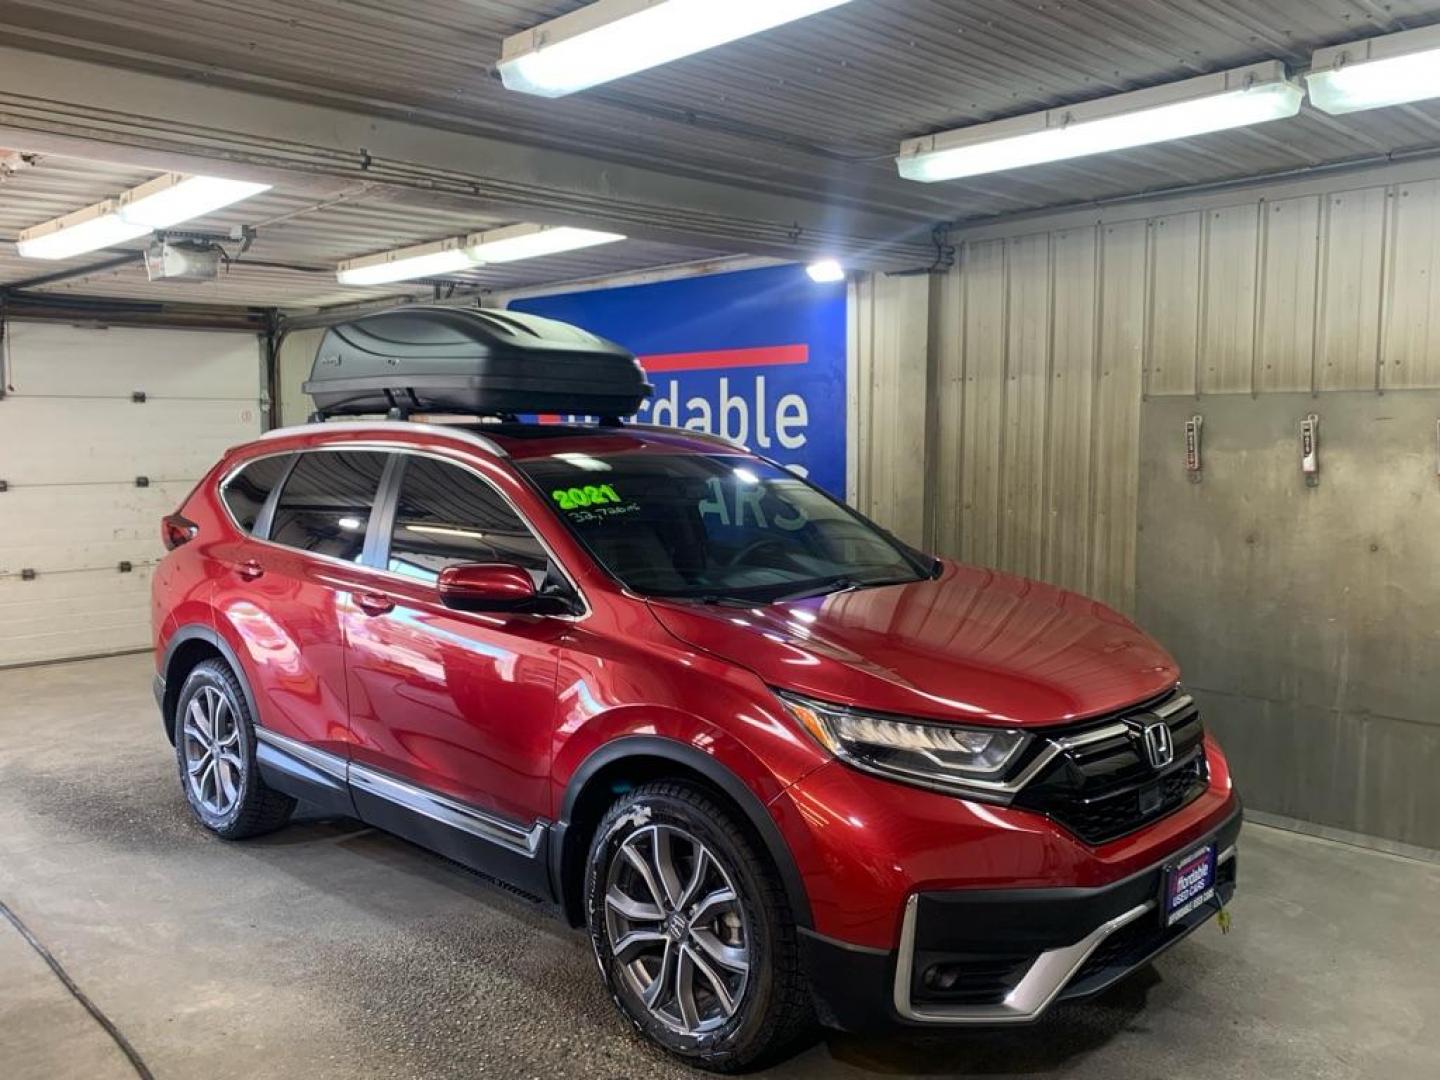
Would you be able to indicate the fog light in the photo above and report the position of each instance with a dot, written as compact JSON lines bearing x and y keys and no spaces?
{"x":940,"y":977}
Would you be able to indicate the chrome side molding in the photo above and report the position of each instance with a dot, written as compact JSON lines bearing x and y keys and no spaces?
{"x":446,"y":811}
{"x":331,"y":765}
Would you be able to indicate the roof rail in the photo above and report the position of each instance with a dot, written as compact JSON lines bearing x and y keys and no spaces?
{"x":397,"y":427}
{"x":464,"y":430}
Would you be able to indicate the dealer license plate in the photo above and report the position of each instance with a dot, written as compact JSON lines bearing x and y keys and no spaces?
{"x":1189,"y":883}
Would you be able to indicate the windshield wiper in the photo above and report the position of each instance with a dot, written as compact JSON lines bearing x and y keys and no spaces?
{"x":839,"y":583}
{"x":822,"y":588}
{"x":711,"y":599}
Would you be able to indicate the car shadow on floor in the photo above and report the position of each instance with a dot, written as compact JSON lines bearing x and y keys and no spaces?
{"x":377,"y":847}
{"x":1067,"y":1032}
{"x":447,"y":918}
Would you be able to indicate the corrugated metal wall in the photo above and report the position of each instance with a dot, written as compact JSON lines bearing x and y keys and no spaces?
{"x":1305,"y":618}
{"x":889,"y":404}
{"x":1039,"y":358}
{"x":1054,"y":345}
{"x":1046,"y":340}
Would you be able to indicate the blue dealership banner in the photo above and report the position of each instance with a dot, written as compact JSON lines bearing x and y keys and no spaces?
{"x":756,"y":355}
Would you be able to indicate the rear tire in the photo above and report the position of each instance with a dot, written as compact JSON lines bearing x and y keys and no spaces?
{"x":692,"y":930}
{"x":215,"y":753}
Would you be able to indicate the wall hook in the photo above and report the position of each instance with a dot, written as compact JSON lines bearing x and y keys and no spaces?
{"x":1310,"y":449}
{"x":1194,"y":465}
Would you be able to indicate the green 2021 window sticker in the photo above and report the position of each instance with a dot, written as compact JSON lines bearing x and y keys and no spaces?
{"x":581,"y":498}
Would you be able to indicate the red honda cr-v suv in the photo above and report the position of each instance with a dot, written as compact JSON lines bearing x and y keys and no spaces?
{"x":781,"y":765}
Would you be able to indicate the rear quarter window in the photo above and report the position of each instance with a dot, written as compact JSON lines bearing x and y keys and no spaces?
{"x":325,"y":505}
{"x":246,"y":491}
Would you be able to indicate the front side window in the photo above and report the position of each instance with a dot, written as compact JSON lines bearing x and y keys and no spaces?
{"x":447,"y":515}
{"x":720,"y":526}
{"x":326,"y":502}
{"x":245,"y":492}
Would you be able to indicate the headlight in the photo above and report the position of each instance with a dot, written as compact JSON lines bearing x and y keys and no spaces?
{"x":967,"y":760}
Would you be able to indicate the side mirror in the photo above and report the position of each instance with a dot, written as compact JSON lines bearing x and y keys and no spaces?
{"x":486,"y":587}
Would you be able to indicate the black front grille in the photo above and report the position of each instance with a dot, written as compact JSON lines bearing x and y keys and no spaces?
{"x":1101,"y":789}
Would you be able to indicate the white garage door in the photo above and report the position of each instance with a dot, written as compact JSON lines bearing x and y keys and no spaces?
{"x":75,"y":442}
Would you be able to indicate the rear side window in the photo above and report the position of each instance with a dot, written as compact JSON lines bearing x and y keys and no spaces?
{"x":247,"y":490}
{"x":447,"y":515}
{"x":325,"y":504}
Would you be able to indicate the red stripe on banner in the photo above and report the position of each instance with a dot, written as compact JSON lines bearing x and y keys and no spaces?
{"x":765,"y":356}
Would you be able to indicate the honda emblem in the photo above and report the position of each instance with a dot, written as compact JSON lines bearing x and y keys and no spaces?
{"x":1158,"y":742}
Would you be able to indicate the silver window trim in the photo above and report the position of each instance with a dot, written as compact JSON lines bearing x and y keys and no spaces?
{"x":396,"y":448}
{"x":1042,"y":982}
{"x":534,"y":532}
{"x":232,"y":473}
{"x":297,"y":452}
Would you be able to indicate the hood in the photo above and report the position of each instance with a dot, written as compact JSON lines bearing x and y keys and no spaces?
{"x":972,"y":645}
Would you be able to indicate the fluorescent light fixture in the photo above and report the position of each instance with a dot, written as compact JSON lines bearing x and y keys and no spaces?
{"x":583,"y":461}
{"x":826,"y":271}
{"x":1389,"y":70}
{"x":156,"y":204}
{"x":614,"y":38}
{"x":95,"y":227}
{"x":465,"y":253}
{"x":174,"y":197}
{"x":531,"y":241}
{"x":1226,"y":99}
{"x":446,"y":530}
{"x":424,"y":260}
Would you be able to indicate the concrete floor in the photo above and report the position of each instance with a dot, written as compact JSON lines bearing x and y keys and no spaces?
{"x":330,"y":950}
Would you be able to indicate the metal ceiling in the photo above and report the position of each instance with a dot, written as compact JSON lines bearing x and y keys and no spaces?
{"x":814,"y":109}
{"x":298,"y":240}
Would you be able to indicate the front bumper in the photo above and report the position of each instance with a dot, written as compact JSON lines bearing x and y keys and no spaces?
{"x":1012,"y":952}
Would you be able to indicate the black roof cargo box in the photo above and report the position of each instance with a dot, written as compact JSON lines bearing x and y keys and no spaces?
{"x":469,"y":360}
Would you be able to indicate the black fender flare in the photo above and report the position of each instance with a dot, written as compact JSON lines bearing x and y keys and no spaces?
{"x":655,"y":746}
{"x":199,"y":632}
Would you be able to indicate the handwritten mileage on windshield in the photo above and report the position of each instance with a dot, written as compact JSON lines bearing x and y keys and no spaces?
{"x":602,"y":513}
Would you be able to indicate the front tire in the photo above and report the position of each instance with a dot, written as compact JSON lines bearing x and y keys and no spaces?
{"x":692,"y":930}
{"x":215,"y":753}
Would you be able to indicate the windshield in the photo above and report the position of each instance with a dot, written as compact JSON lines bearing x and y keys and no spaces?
{"x":716,"y":526}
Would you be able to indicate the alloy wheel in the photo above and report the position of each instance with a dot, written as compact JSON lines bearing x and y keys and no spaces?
{"x":213,"y":765}
{"x":677,"y":929}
